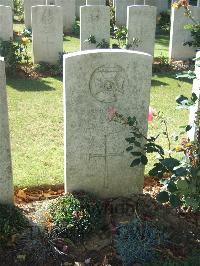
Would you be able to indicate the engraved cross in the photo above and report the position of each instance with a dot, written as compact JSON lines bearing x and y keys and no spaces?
{"x":105,"y":156}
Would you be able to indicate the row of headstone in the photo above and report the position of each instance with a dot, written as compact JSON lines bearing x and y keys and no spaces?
{"x":141,"y":24}
{"x":94,"y":81}
{"x":95,"y":21}
{"x":121,"y":8}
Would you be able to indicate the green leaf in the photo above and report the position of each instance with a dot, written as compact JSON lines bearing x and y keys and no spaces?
{"x":192,"y":202}
{"x":170,"y":163}
{"x":194,"y":97}
{"x":136,"y":153}
{"x":129,"y":148}
{"x":130,"y":140}
{"x":144,"y":160}
{"x":182,"y":185}
{"x":180,"y":171}
{"x":135,"y":162}
{"x":181,"y":98}
{"x":175,"y":201}
{"x":163,"y":197}
{"x":137,"y":144}
{"x":188,"y":127}
{"x":157,"y":170}
{"x":131,"y":121}
{"x":171,"y":187}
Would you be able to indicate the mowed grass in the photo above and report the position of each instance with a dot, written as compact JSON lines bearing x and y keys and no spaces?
{"x":36,"y":120}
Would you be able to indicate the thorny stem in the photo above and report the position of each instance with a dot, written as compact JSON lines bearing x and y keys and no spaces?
{"x":167,"y":136}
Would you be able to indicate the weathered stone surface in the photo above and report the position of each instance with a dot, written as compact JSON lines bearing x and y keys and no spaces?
{"x":95,"y":2}
{"x":27,"y":10}
{"x":79,"y":3}
{"x":95,"y":149}
{"x":194,"y":132}
{"x":6,"y":179}
{"x":95,"y":20}
{"x":139,"y":2}
{"x":47,"y":30}
{"x":121,"y":11}
{"x":7,"y":3}
{"x":141,"y":25}
{"x":6,"y":24}
{"x":178,"y":35}
{"x":68,"y":8}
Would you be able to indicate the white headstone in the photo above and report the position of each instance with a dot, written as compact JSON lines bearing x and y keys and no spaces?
{"x":95,"y":2}
{"x":7,"y":3}
{"x":121,"y":11}
{"x":27,"y":10}
{"x":68,"y":8}
{"x":198,"y":3}
{"x":194,"y":132}
{"x":79,"y":3}
{"x":179,"y":35}
{"x":6,"y":23}
{"x":47,"y":30}
{"x":95,"y":21}
{"x":141,"y":24}
{"x":6,"y":179}
{"x":95,"y":149}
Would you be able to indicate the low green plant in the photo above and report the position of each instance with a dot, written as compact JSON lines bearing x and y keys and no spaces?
{"x":164,"y":21}
{"x":195,"y":34}
{"x":103,"y":44}
{"x":163,"y":60}
{"x":12,"y":221}
{"x":14,"y":53}
{"x":120,"y":34}
{"x":76,"y":29}
{"x":137,"y":242}
{"x":91,"y":39}
{"x":112,"y":20}
{"x":133,"y":44}
{"x":52,"y":69}
{"x":26,"y":33}
{"x":74,"y":216}
{"x":18,"y":9}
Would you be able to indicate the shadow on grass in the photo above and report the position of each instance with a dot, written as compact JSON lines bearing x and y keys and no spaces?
{"x":22,"y":84}
{"x":158,"y":83}
{"x":170,"y":75}
{"x":162,"y":40}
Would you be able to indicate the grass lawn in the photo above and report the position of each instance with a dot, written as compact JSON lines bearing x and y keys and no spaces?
{"x":36,"y":119}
